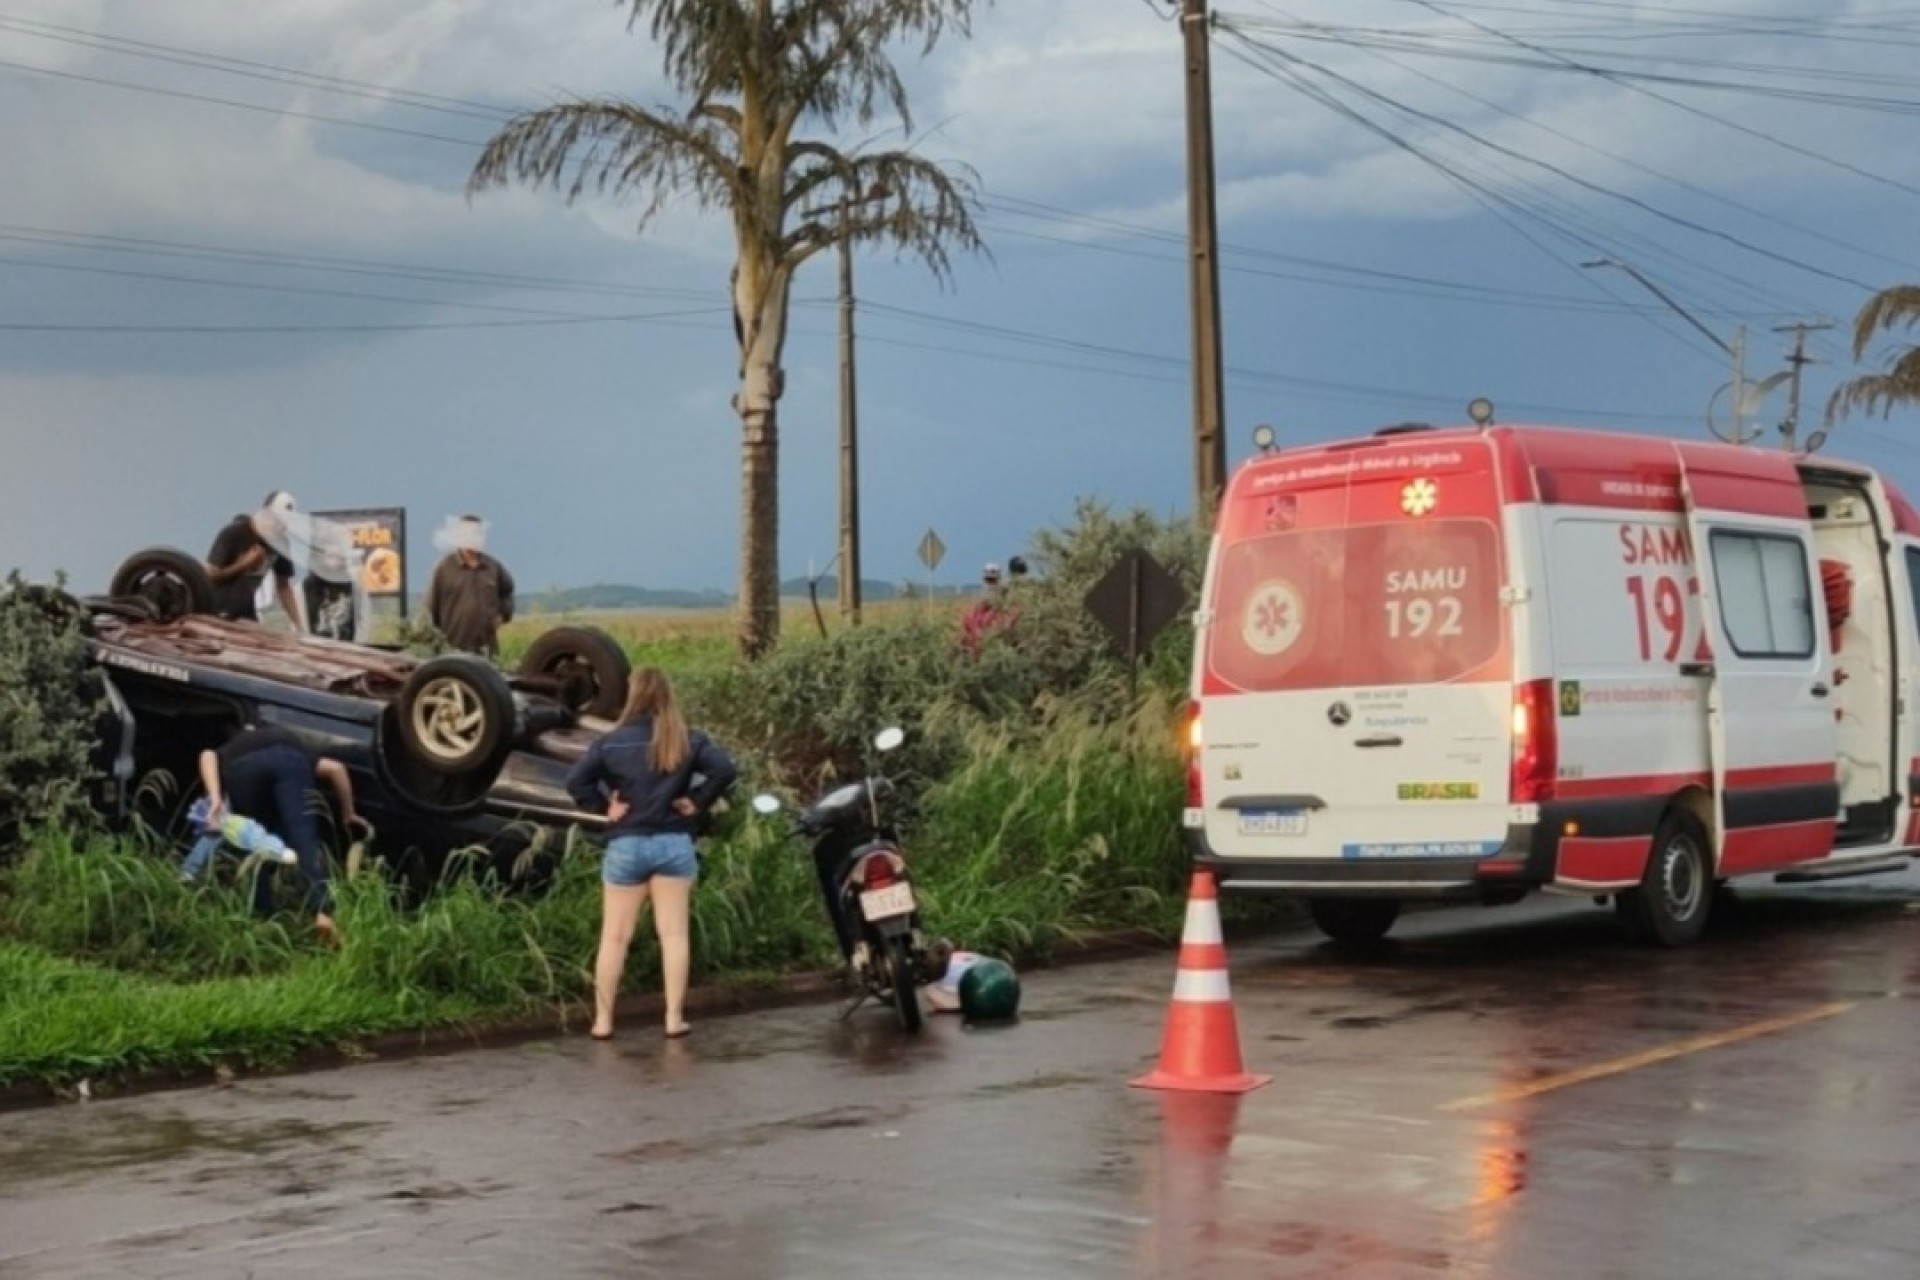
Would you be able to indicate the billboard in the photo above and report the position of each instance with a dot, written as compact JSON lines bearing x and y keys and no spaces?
{"x":378,"y":536}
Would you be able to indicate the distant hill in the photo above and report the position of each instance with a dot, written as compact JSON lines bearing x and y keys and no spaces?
{"x":607,"y":595}
{"x":611,"y":595}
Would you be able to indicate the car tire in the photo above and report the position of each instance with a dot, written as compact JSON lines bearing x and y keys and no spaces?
{"x":456,"y":717}
{"x":1354,"y":923}
{"x":587,"y":665}
{"x":172,"y":581}
{"x":1674,"y":899}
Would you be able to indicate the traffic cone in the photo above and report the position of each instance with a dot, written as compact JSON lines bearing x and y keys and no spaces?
{"x":1201,"y":1048}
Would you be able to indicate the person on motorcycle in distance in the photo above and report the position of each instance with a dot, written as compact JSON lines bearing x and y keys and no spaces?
{"x":653,"y":777}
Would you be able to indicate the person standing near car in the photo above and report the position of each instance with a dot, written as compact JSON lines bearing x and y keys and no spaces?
{"x":266,"y":773}
{"x":471,"y":594}
{"x":242,"y":555}
{"x":652,"y":776}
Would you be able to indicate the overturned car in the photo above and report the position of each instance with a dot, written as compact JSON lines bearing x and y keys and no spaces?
{"x":445,"y":752}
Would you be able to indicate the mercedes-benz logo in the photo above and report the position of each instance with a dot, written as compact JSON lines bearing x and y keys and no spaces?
{"x":1339,"y":713}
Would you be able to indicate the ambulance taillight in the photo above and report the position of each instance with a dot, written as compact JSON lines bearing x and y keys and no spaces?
{"x":1536,"y":747}
{"x":1192,"y":746}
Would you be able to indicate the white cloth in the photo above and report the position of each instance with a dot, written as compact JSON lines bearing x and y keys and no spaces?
{"x":944,"y":995}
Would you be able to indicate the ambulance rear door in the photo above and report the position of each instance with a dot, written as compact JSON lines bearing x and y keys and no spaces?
{"x":1354,"y":658}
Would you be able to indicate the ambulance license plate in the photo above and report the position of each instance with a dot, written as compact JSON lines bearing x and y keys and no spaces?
{"x":894,"y":900}
{"x":1273,"y":822}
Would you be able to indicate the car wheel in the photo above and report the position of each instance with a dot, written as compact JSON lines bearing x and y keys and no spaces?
{"x":587,"y":669}
{"x":1674,"y":899}
{"x":456,"y":716}
{"x":1354,"y":922}
{"x":173,"y":582}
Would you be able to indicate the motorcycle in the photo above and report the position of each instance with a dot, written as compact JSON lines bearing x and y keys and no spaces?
{"x":868,"y":891}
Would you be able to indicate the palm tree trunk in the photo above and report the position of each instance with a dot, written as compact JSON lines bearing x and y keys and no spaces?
{"x":759,"y":529}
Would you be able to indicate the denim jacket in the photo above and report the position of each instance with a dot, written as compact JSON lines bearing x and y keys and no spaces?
{"x":618,"y":764}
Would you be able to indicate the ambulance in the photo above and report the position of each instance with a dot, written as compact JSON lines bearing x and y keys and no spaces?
{"x":1471,"y":663}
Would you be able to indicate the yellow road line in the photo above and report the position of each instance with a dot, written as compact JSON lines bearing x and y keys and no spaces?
{"x":1633,"y":1062}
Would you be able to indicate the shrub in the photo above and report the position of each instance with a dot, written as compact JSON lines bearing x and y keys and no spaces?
{"x":49,"y":699}
{"x":812,"y":705}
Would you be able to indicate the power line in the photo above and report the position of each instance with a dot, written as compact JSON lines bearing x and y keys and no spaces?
{"x":421,"y":327}
{"x":210,"y":100}
{"x":250,"y":69}
{"x":1629,"y":162}
{"x":1643,"y":206}
{"x":313,"y":262}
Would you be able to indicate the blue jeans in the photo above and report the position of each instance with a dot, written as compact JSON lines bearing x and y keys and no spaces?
{"x":276,"y":781}
{"x":633,"y":860}
{"x":202,"y":853}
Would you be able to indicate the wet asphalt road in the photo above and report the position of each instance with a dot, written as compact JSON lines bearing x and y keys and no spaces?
{"x":1510,"y":1093}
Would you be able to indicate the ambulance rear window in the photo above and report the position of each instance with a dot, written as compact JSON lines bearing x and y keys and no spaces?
{"x":1411,"y":602}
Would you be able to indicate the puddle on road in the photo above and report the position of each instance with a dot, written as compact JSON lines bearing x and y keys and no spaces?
{"x":1034,"y":1084}
{"x":133,"y":1140}
{"x":761,"y":1135}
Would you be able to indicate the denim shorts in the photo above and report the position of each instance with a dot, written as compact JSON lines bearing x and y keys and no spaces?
{"x":633,"y":860}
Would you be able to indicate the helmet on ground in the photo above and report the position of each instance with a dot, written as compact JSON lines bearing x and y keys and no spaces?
{"x":989,"y":990}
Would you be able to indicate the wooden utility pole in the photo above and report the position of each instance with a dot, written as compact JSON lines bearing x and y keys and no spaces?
{"x":1797,"y":361}
{"x":1203,"y":234}
{"x":849,"y":438}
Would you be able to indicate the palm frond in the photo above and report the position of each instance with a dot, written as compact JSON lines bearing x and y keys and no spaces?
{"x":893,"y":197}
{"x":613,"y":148}
{"x":1879,"y":393}
{"x":1888,"y":309}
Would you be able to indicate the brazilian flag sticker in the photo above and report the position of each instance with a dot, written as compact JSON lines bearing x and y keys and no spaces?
{"x":1569,"y":697}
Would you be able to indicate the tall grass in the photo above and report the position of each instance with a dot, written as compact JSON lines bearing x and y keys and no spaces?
{"x":1046,"y":835}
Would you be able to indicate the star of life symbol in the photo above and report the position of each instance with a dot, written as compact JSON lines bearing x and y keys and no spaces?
{"x":1419,"y":496}
{"x":1273,"y":618}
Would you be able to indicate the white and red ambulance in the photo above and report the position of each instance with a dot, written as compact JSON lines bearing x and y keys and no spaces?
{"x":1470,"y":663}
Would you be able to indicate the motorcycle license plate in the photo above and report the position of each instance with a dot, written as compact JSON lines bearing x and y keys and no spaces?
{"x":894,"y":900}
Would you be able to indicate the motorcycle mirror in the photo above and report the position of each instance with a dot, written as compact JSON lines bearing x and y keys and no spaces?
{"x":766,"y":804}
{"x":889,"y":738}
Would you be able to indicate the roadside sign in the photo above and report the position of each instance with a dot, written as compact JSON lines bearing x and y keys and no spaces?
{"x":1134,"y":601}
{"x":379,"y":537}
{"x":932,"y":551}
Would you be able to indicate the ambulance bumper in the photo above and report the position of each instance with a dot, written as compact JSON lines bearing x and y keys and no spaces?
{"x":1522,"y":862}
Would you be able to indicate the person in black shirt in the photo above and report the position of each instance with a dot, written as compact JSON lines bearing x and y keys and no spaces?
{"x":266,"y":773}
{"x":241,"y":558}
{"x":653,"y":777}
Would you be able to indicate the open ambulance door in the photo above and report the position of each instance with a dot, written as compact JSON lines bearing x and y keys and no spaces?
{"x":1768,"y":670}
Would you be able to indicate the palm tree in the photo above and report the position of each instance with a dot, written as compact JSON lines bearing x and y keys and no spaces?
{"x":752,"y":73}
{"x":1882,"y":393}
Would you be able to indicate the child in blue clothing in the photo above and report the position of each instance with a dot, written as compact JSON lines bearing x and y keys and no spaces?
{"x":237,"y":832}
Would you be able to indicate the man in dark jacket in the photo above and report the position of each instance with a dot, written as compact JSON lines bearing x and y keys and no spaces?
{"x":471,"y":594}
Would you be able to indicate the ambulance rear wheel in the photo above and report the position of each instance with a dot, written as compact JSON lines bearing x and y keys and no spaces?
{"x":1354,"y":922}
{"x":1675,"y":896}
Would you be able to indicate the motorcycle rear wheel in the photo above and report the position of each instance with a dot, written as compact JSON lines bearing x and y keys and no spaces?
{"x":899,"y":977}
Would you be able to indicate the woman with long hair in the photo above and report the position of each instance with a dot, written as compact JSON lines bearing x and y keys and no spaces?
{"x":652,"y":776}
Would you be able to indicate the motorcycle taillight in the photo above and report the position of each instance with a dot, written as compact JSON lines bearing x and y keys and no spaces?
{"x":877,"y":874}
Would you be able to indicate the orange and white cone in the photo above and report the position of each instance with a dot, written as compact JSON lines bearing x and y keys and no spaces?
{"x":1201,"y":1047}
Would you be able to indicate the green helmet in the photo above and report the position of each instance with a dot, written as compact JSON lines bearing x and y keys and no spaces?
{"x":989,"y":989}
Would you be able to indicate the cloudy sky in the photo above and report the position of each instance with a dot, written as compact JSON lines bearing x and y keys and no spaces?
{"x":235,"y":255}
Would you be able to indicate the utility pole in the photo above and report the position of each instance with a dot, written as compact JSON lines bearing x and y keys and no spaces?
{"x":1203,"y":233}
{"x":1797,"y":361}
{"x":1736,"y":351}
{"x":849,"y":436}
